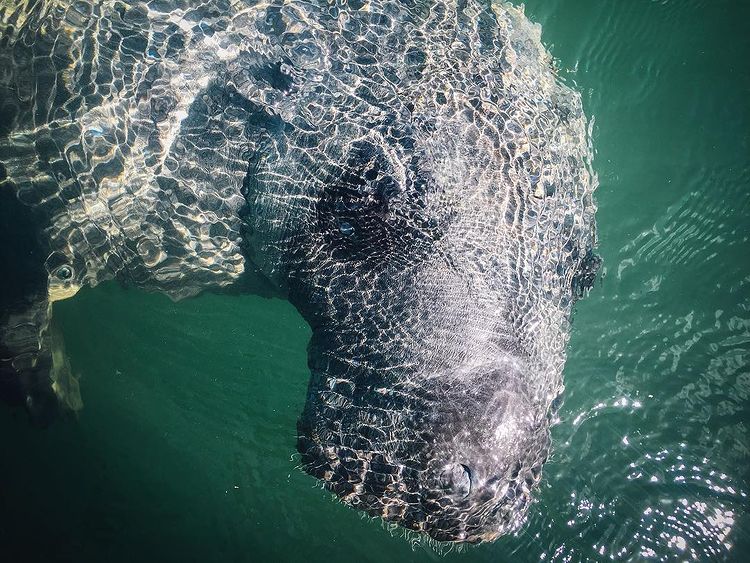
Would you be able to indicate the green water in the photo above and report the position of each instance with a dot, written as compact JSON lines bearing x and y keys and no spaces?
{"x":185,"y":448}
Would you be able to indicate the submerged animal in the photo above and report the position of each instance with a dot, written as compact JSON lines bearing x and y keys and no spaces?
{"x":410,"y":174}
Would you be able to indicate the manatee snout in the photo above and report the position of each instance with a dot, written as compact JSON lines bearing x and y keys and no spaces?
{"x":455,"y":457}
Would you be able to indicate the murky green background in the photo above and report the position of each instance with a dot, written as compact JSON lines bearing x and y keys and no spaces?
{"x":185,"y":448}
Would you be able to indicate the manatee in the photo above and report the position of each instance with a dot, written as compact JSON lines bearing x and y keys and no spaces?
{"x":411,"y":174}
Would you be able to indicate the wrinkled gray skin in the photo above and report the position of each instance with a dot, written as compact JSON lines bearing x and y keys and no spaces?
{"x":410,"y":174}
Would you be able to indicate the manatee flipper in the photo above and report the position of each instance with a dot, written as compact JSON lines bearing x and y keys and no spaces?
{"x":26,"y":362}
{"x":33,"y":368}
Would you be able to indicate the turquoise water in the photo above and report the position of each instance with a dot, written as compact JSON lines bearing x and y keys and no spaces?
{"x":185,"y":450}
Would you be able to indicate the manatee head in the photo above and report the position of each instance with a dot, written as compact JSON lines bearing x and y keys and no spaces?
{"x":420,"y":190}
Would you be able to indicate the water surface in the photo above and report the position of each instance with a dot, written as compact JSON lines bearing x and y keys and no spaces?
{"x":185,"y":448}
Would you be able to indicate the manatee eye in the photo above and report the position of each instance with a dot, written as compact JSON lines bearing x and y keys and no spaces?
{"x":372,"y":210}
{"x":64,"y":273}
{"x":354,"y":211}
{"x":456,"y":480}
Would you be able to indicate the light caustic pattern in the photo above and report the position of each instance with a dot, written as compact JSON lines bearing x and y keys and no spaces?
{"x":412,"y":175}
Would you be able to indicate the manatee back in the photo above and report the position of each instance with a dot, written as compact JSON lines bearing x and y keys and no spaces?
{"x":110,"y":134}
{"x":119,"y":159}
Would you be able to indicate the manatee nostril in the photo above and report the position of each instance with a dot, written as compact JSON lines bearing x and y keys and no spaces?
{"x":456,"y":478}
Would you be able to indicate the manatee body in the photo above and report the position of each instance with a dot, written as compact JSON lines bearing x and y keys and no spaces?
{"x":410,"y":174}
